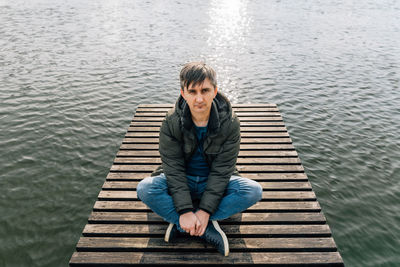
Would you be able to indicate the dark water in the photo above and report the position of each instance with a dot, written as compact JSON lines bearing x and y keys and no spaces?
{"x":73,"y":72}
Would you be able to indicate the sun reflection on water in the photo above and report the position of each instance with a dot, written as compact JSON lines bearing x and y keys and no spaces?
{"x":227,"y":39}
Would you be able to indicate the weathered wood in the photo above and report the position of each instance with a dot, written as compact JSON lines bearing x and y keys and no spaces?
{"x":286,"y":227}
{"x":241,"y":168}
{"x":253,"y":105}
{"x":241,"y":118}
{"x":240,"y":160}
{"x":265,"y":185}
{"x":242,"y":124}
{"x":244,"y":140}
{"x":131,"y":230}
{"x":235,"y":109}
{"x":286,"y":206}
{"x":242,"y":147}
{"x":269,"y":105}
{"x":238,"y":113}
{"x":254,"y":176}
{"x":117,"y":191}
{"x":260,"y":219}
{"x":187,"y":243}
{"x":243,"y":134}
{"x":243,"y":129}
{"x":242,"y":153}
{"x":144,"y":129}
{"x":207,"y":258}
{"x":269,"y":168}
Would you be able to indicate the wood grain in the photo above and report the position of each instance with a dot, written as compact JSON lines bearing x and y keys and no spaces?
{"x":287,"y":227}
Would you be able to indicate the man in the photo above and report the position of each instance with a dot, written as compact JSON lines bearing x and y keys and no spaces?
{"x":197,"y":183}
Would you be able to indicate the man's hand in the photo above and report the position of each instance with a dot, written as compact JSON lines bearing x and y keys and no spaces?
{"x":189,"y":222}
{"x":203,"y":217}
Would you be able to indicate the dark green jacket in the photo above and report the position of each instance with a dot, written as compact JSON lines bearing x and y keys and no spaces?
{"x":178,"y":142}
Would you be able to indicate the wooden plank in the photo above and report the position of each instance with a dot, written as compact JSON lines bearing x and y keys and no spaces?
{"x":261,"y":124}
{"x":286,"y":227}
{"x":244,"y":140}
{"x":269,"y":168}
{"x":241,"y":113}
{"x":145,"y":124}
{"x":254,"y":176}
{"x":286,"y":206}
{"x":276,"y":176}
{"x":242,"y":153}
{"x":272,"y":128}
{"x":156,"y":105}
{"x":137,"y":160}
{"x":266,"y":134}
{"x":260,"y":105}
{"x":242,"y":146}
{"x":238,"y":109}
{"x":206,"y":258}
{"x":238,"y":113}
{"x":268,"y":161}
{"x":132,"y":230}
{"x":255,"y":109}
{"x":144,"y":129}
{"x":242,"y":119}
{"x":119,"y":193}
{"x":241,"y":168}
{"x":127,"y":175}
{"x":253,"y":105}
{"x":243,"y":135}
{"x":138,"y":153}
{"x":140,"y":113}
{"x":133,"y":168}
{"x":144,"y":109}
{"x":143,"y":219}
{"x":186,"y":243}
{"x":128,"y":185}
{"x":242,"y":124}
{"x":142,"y":134}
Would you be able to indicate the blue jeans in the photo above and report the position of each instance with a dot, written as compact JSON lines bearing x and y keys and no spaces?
{"x":240,"y":194}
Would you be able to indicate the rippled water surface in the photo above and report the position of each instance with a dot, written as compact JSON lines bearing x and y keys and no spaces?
{"x":73,"y":72}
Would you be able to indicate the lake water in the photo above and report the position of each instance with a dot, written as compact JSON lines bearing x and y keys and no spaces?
{"x":73,"y":72}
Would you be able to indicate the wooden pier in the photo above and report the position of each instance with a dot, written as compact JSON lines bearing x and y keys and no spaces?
{"x":286,"y":227}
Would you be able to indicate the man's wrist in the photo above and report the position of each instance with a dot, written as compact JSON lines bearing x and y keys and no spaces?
{"x":209,"y":213}
{"x":181,"y":212}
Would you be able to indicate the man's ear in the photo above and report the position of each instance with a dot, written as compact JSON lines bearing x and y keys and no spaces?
{"x":182,"y":93}
{"x":215,"y":91}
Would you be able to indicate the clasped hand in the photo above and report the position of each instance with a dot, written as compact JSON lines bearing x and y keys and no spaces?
{"x":194,"y":223}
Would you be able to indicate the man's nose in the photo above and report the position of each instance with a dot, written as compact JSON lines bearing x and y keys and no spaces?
{"x":199,"y":98}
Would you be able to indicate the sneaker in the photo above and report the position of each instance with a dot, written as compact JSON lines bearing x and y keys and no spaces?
{"x":216,"y":237}
{"x":171,"y":233}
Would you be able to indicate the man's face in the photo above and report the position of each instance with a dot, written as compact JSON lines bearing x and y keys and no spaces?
{"x":199,"y":97}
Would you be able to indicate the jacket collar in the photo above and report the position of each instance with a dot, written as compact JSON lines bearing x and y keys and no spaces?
{"x":221,"y":110}
{"x":213,"y":122}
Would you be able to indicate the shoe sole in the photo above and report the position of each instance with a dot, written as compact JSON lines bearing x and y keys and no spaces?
{"x":168,"y":232}
{"x":224,"y":238}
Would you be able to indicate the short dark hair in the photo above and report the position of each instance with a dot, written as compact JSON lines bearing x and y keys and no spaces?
{"x":195,"y":73}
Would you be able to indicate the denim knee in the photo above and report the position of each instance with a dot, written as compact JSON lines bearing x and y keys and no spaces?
{"x":254,"y":192}
{"x":151,"y":185}
{"x":258,"y":191}
{"x":141,"y":188}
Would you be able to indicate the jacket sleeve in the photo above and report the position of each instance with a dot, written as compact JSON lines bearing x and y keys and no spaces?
{"x":222,"y":169}
{"x":173,"y":164}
